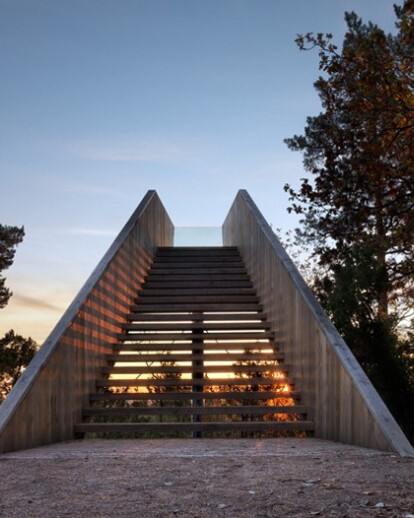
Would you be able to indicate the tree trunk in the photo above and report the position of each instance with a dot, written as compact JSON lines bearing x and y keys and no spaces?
{"x":381,"y":251}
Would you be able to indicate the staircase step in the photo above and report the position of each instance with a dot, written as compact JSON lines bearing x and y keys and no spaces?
{"x":199,"y":306}
{"x":234,"y":345}
{"x":252,"y":335}
{"x":182,"y":395}
{"x":198,"y":270}
{"x":190,"y":317}
{"x":149,"y":291}
{"x":234,"y":426}
{"x":194,"y":410}
{"x":197,"y":258}
{"x":159,"y":267}
{"x":189,"y":369}
{"x":203,"y":251}
{"x":199,"y":326}
{"x":206,"y":284}
{"x":209,"y":357}
{"x":192,"y":277}
{"x":196,"y":299}
{"x":174,"y":382}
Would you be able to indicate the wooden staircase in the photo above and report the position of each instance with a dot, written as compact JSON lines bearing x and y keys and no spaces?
{"x":196,"y":357}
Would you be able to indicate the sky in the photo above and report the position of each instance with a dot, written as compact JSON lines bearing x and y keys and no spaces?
{"x":102,"y":100}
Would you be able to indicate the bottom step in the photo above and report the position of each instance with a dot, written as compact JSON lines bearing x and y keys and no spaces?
{"x":251,"y":426}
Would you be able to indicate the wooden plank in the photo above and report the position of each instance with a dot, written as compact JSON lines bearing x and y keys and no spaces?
{"x":196,"y":299}
{"x":165,"y":283}
{"x":203,"y":250}
{"x":186,"y":326}
{"x":208,"y":357}
{"x":205,"y":306}
{"x":189,"y":346}
{"x":197,"y":265}
{"x":183,"y":369}
{"x":228,"y":382}
{"x":191,"y":410}
{"x":186,"y":272}
{"x":194,"y":250}
{"x":149,"y":291}
{"x":196,"y":259}
{"x":190,"y":427}
{"x":244,"y":395}
{"x":158,"y":337}
{"x":191,"y":277}
{"x":189,"y":317}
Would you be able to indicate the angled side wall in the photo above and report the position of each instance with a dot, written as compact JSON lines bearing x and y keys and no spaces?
{"x":341,"y":400}
{"x":47,"y":400}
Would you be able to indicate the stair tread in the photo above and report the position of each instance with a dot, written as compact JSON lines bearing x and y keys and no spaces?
{"x":197,"y":284}
{"x":189,"y":346}
{"x":206,"y":317}
{"x":142,"y":382}
{"x":196,"y":410}
{"x":206,"y":427}
{"x":188,"y":272}
{"x":149,"y":291}
{"x":218,"y":326}
{"x":183,"y":369}
{"x":197,"y":258}
{"x":198,"y":265}
{"x":187,"y":395}
{"x":190,"y":299}
{"x":159,"y":337}
{"x":196,"y":306}
{"x":209,"y":357}
{"x":197,"y":277}
{"x":203,"y":250}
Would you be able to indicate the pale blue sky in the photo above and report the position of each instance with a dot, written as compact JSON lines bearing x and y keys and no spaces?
{"x":101,"y":100}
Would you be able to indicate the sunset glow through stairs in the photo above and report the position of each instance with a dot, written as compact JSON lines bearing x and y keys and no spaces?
{"x":196,"y":357}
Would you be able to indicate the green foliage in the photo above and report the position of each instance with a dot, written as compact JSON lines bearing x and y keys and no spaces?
{"x":15,"y":353}
{"x":10,"y":237}
{"x":346,"y":292}
{"x":357,"y":207}
{"x":359,"y":152}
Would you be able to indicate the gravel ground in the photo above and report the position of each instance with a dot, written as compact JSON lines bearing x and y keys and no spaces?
{"x":233,"y":478}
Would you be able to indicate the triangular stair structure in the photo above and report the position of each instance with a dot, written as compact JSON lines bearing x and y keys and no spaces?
{"x":196,"y":358}
{"x":225,"y":337}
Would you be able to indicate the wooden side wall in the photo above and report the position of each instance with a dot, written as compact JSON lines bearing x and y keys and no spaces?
{"x":341,"y":400}
{"x":47,"y":400}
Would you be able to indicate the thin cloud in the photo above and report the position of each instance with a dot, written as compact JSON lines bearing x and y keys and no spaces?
{"x":132,"y":150}
{"x":34,"y":303}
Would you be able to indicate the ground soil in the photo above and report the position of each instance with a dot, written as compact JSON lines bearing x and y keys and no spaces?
{"x":203,"y":478}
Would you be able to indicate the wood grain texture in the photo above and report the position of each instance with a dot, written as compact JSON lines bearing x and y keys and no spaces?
{"x":47,"y":400}
{"x":340,"y":399}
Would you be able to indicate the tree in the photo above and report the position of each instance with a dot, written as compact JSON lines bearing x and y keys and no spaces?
{"x":10,"y":237}
{"x":15,"y":353}
{"x":359,"y":151}
{"x":386,"y":355}
{"x":357,"y":207}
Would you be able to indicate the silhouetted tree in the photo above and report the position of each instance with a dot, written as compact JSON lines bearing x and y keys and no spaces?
{"x":10,"y":237}
{"x":359,"y":152}
{"x":15,"y":353}
{"x":358,"y":205}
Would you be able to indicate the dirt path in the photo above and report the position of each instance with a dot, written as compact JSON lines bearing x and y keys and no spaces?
{"x":205,"y":478}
